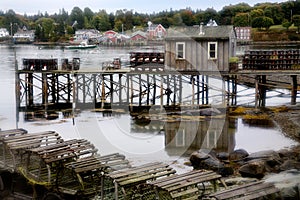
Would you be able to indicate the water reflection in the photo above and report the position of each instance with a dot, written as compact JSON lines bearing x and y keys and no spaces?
{"x":180,"y":135}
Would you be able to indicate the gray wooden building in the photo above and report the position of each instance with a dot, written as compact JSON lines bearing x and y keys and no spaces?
{"x":200,"y":48}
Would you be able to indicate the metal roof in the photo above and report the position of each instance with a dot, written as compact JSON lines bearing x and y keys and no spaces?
{"x":201,"y":32}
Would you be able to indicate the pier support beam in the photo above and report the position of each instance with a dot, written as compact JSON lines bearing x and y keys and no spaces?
{"x":294,"y":89}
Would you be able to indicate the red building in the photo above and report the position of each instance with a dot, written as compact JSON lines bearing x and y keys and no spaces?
{"x":156,"y":32}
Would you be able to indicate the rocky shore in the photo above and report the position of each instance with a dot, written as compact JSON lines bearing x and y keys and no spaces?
{"x":282,"y":168}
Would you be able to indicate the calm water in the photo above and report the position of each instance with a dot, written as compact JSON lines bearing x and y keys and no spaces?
{"x":118,"y":132}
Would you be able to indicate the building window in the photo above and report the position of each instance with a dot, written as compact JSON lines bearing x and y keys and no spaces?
{"x":180,"y":50}
{"x":212,"y":50}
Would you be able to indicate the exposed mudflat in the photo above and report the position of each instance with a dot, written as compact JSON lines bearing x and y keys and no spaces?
{"x":288,"y":121}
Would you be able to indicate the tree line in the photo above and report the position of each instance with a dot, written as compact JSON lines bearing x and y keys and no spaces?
{"x":62,"y":25}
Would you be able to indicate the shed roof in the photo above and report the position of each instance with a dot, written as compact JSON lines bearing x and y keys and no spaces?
{"x":201,"y":32}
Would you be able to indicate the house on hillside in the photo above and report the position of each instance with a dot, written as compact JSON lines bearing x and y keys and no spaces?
{"x":91,"y":35}
{"x":113,"y":38}
{"x":200,"y":48}
{"x":138,"y":38}
{"x":24,"y":36}
{"x":156,"y":31}
{"x":4,"y":33}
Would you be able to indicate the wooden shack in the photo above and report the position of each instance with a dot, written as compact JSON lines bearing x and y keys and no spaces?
{"x":200,"y":48}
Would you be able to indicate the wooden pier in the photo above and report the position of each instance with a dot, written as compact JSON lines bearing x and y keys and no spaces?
{"x":148,"y":82}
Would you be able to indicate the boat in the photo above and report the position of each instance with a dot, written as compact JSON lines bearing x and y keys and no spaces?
{"x":82,"y":45}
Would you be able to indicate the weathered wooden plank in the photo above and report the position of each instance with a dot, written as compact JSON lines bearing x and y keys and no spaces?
{"x":193,"y":181}
{"x":185,"y":192}
{"x":32,"y":144}
{"x":146,"y":178}
{"x":12,"y":132}
{"x":133,"y":170}
{"x":29,"y":135}
{"x":143,"y":173}
{"x":242,"y":190}
{"x":48,"y":149}
{"x":256,"y":194}
{"x":177,"y":178}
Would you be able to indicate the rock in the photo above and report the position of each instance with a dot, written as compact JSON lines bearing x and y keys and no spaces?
{"x":253,"y":169}
{"x":197,"y":157}
{"x":223,"y":156}
{"x":287,"y":154}
{"x":226,"y":171}
{"x":271,"y":157}
{"x":210,"y":164}
{"x":239,"y":181}
{"x":263,"y":154}
{"x":202,"y":159}
{"x":238,"y":154}
{"x":287,"y":182}
{"x":290,"y":164}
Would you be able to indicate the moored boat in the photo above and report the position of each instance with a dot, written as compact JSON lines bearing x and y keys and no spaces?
{"x":82,"y":45}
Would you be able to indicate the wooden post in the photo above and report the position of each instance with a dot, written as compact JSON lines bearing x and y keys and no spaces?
{"x":161,"y":91}
{"x":83,"y":89}
{"x":234,"y":90}
{"x":174,"y":90}
{"x":262,"y":91}
{"x":120,"y":89}
{"x":206,"y":89}
{"x":154,"y":89}
{"x":148,"y":90}
{"x":294,"y":89}
{"x":116,"y":190}
{"x":256,"y":91}
{"x":75,"y":92}
{"x":45,"y":89}
{"x":198,"y":90}
{"x":229,"y":92}
{"x":223,"y":91}
{"x":128,"y":88}
{"x":203,"y":89}
{"x":140,"y":89}
{"x":167,"y":91}
{"x":180,"y":89}
{"x":193,"y":89}
{"x":53,"y":88}
{"x":94,"y":90}
{"x":111,"y":89}
{"x":30,"y":88}
{"x":69,"y":87}
{"x":131,"y":86}
{"x":103,"y":93}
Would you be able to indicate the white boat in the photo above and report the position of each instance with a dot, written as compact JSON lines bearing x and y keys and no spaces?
{"x":82,"y":45}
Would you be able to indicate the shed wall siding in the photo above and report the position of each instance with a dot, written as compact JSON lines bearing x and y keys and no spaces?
{"x":196,"y":56}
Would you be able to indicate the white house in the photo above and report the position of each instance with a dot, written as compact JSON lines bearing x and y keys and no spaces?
{"x":24,"y":36}
{"x":3,"y":33}
{"x":87,"y":34}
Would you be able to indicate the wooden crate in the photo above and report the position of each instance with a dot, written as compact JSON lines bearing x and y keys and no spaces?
{"x":190,"y":185}
{"x":247,"y":191}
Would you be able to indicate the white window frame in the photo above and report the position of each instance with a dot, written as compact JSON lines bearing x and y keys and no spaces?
{"x":210,"y":50}
{"x":177,"y":50}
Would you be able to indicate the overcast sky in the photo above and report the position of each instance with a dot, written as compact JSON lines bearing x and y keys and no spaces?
{"x":141,"y":6}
